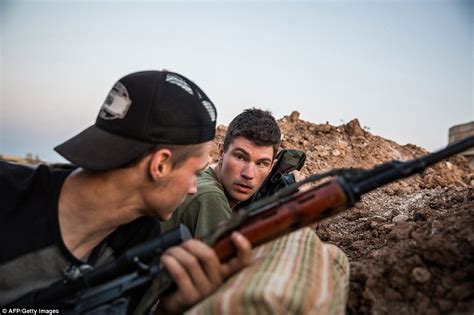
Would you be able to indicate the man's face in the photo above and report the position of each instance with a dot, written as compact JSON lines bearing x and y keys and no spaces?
{"x":179,"y":183}
{"x":243,"y":168}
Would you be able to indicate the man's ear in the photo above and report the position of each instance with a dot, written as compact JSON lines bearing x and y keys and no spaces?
{"x":160,"y":163}
{"x":221,"y":151}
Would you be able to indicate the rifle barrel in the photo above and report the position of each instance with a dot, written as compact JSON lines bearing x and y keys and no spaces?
{"x":389,"y":172}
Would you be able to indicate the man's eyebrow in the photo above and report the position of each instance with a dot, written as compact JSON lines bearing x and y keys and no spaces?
{"x":247,"y":155}
{"x":241,"y":151}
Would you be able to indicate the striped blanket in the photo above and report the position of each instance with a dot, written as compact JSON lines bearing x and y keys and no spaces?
{"x":295,"y":274}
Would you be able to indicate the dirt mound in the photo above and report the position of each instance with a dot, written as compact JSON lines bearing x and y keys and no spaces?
{"x":411,"y":243}
{"x":421,"y":264}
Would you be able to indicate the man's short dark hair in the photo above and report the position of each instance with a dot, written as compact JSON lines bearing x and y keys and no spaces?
{"x":256,"y":125}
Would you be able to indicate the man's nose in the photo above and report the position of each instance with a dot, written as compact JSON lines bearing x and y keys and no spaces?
{"x":248,"y":172}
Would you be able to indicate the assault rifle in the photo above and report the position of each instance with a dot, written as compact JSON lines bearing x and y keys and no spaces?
{"x":287,"y":210}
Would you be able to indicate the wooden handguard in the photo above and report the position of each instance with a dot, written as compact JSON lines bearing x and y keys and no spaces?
{"x":303,"y":209}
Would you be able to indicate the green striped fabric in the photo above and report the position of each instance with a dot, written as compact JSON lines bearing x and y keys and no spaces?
{"x":295,"y":274}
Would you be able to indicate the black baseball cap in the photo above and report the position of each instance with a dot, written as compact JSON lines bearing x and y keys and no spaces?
{"x":143,"y":109}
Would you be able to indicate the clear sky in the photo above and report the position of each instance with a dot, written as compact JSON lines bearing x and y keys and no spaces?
{"x":403,"y":68}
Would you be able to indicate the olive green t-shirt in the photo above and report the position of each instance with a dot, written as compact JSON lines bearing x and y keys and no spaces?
{"x":203,"y":211}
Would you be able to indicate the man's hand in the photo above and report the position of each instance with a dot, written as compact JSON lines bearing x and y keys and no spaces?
{"x":297,"y":175}
{"x":197,"y":271}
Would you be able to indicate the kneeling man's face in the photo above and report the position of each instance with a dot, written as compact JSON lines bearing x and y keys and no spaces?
{"x":243,"y":168}
{"x":178,"y":183}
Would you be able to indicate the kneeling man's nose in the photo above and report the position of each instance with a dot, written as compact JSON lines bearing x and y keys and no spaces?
{"x":248,"y":172}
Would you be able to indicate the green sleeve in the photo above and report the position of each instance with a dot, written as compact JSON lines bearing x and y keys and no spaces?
{"x":204,"y":212}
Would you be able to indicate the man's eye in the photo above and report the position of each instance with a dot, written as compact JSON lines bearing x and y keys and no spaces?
{"x":262,"y":164}
{"x":239,"y":157}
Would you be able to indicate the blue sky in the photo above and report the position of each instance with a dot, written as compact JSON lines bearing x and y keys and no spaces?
{"x":403,"y":68}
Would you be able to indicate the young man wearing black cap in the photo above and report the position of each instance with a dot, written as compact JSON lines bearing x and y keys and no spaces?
{"x":136,"y":164}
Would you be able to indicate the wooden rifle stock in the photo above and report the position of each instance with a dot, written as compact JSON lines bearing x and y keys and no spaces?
{"x":300,"y":210}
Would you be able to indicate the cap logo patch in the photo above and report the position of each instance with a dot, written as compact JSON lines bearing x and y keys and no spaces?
{"x":116,"y":104}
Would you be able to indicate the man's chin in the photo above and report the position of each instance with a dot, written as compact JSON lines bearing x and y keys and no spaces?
{"x":240,"y":197}
{"x":164,"y":217}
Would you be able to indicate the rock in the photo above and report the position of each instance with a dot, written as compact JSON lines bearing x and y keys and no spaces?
{"x":358,"y":245}
{"x":353,"y":128}
{"x":401,"y":231}
{"x":400,"y":218}
{"x":447,"y":282}
{"x":392,"y":295}
{"x":431,"y":311}
{"x":445,"y":305}
{"x":463,"y":291}
{"x":325,"y":128}
{"x":377,"y":218}
{"x":294,"y":116}
{"x":421,"y":275}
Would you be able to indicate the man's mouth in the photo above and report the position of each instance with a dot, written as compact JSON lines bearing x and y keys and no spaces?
{"x":243,"y":188}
